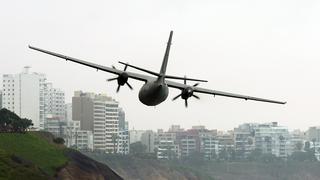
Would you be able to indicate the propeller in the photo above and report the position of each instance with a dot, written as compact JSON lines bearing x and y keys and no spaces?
{"x":122,"y":78}
{"x":186,"y":93}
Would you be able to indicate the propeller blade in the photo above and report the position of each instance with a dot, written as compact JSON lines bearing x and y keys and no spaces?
{"x":186,"y":103}
{"x":197,"y":97}
{"x":125,"y":67}
{"x":118,"y":88}
{"x":112,"y":79}
{"x":195,"y":85}
{"x":129,"y":86}
{"x":176,"y":97}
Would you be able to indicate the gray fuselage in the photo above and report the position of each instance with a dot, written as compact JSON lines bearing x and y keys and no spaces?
{"x":153,"y":93}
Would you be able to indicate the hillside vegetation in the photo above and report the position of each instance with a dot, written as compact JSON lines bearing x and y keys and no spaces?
{"x":34,"y":148}
{"x":35,"y":155}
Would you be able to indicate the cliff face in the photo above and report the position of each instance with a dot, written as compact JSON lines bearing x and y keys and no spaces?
{"x":82,"y":167}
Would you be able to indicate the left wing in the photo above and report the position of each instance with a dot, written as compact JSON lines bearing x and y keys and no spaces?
{"x":220,"y":93}
{"x":132,"y":75}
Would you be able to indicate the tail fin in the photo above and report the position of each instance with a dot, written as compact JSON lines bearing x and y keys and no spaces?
{"x":166,"y":56}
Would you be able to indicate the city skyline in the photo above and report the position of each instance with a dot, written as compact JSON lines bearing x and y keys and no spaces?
{"x":265,"y":49}
{"x":27,"y":70}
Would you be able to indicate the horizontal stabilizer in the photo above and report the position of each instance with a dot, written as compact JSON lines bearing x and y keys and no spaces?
{"x":141,"y":69}
{"x":184,"y":78}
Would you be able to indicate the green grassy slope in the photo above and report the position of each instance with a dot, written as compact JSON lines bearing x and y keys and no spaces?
{"x":10,"y":169}
{"x":32,"y":147}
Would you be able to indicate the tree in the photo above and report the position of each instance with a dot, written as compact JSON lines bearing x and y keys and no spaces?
{"x":223,"y":154}
{"x":196,"y":157}
{"x":307,"y":146}
{"x":255,"y":155}
{"x":10,"y":122}
{"x":298,"y":146}
{"x":137,"y":148}
{"x":302,"y":156}
{"x":58,"y":140}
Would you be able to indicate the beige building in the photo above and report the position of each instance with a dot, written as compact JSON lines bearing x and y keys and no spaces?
{"x":97,"y":113}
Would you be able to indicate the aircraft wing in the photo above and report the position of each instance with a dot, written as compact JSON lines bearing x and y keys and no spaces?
{"x":220,"y":93}
{"x":132,"y":75}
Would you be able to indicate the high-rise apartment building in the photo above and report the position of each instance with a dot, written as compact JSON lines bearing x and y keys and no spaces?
{"x":97,"y":113}
{"x":24,"y":94}
{"x":30,"y":96}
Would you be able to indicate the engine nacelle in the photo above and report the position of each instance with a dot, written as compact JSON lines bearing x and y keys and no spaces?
{"x":122,"y":78}
{"x":187,"y":92}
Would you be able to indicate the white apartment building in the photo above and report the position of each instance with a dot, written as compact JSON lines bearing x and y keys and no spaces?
{"x":167,"y":145}
{"x":54,"y":102}
{"x":24,"y":94}
{"x":273,"y":139}
{"x":55,"y":126}
{"x":209,"y":145}
{"x":135,"y":135}
{"x":244,"y":140}
{"x":112,"y":123}
{"x":77,"y":138}
{"x":30,"y":96}
{"x":123,"y":142}
{"x":84,"y":140}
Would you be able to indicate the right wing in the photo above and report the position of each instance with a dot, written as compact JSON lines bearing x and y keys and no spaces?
{"x":220,"y":93}
{"x":132,"y":75}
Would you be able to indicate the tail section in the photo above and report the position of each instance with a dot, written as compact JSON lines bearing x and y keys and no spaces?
{"x":166,"y":56}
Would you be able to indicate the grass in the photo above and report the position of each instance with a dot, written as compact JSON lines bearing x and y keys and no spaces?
{"x":32,"y":147}
{"x":10,"y":169}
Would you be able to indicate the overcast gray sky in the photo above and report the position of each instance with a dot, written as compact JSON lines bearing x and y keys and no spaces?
{"x":268,"y":49}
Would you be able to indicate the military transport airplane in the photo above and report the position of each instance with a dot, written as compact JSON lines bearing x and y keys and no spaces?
{"x":155,"y":90}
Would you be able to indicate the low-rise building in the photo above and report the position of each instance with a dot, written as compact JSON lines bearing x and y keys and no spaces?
{"x":166,"y":145}
{"x":135,"y":135}
{"x":244,"y":141}
{"x":273,"y":139}
{"x":209,"y":145}
{"x":123,"y":142}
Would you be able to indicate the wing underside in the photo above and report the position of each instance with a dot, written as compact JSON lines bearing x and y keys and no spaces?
{"x":221,"y":93}
{"x":132,"y":75}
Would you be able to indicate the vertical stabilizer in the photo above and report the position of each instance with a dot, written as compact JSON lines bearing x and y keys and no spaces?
{"x":166,"y":56}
